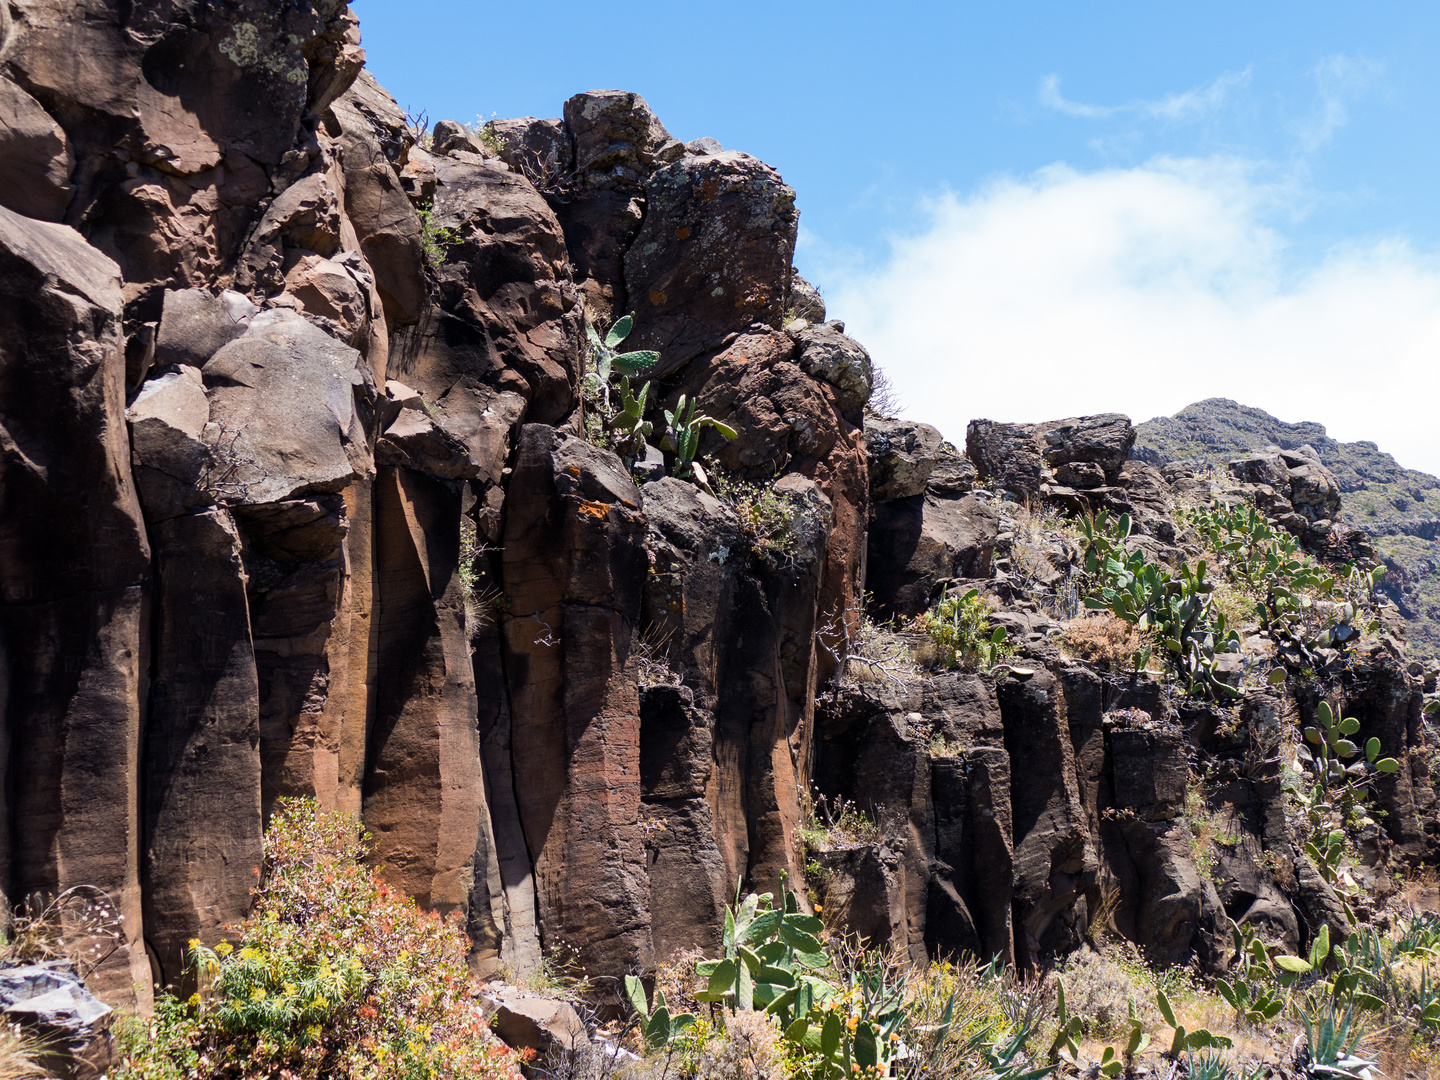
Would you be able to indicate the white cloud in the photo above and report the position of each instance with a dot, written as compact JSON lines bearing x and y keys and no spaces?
{"x":1142,"y":290}
{"x":1337,"y":79}
{"x":1189,"y":105}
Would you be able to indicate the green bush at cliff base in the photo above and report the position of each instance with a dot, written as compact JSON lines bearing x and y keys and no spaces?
{"x":333,"y":975}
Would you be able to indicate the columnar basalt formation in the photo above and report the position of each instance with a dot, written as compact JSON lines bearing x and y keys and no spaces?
{"x":301,"y":494}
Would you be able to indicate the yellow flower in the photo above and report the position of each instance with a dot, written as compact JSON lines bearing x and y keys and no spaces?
{"x":224,"y":949}
{"x":257,"y":994}
{"x":194,"y":1001}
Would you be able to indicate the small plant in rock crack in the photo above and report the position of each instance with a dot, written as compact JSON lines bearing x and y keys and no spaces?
{"x":682,"y":438}
{"x":621,"y":426}
{"x":435,"y":240}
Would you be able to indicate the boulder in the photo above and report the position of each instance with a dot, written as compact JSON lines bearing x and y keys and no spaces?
{"x":1016,"y":455}
{"x":805,"y":300}
{"x":283,"y":418}
{"x":615,"y":132}
{"x":825,"y":353}
{"x":954,"y":474}
{"x":902,"y":455}
{"x":195,"y":324}
{"x":540,"y":149}
{"x":35,"y":157}
{"x":50,"y":1001}
{"x":919,"y":544}
{"x":712,"y":257}
{"x":171,"y":461}
{"x":448,"y":135}
{"x":530,"y":1022}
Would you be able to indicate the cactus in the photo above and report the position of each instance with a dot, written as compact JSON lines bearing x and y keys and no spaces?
{"x":1182,"y":1040}
{"x":657,"y":1025}
{"x":682,"y":437}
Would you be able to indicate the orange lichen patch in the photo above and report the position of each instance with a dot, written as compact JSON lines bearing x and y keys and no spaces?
{"x":573,"y":470}
{"x":590,"y":508}
{"x":657,"y":297}
{"x":709,"y":189}
{"x":682,"y":233}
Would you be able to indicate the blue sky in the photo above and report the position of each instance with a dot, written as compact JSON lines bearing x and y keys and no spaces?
{"x":1028,"y":210}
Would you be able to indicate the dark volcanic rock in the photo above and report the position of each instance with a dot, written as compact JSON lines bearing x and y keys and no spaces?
{"x":920,"y":544}
{"x":73,"y":562}
{"x":712,"y":257}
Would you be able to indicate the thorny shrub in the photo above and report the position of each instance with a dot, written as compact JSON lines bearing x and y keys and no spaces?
{"x":333,"y":975}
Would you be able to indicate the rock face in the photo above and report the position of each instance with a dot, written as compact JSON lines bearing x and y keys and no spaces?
{"x":302,"y":493}
{"x":74,"y":571}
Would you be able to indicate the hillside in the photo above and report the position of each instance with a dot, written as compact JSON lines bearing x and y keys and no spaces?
{"x":1398,"y":507}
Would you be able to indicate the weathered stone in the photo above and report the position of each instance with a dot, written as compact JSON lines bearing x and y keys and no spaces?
{"x":538,"y":149}
{"x":448,"y":135}
{"x":506,"y":319}
{"x":826,"y":354}
{"x":574,"y":565}
{"x":541,"y":1024}
{"x":902,"y":455}
{"x":789,"y":422}
{"x":295,"y":554}
{"x":615,"y":132}
{"x":73,"y":561}
{"x":423,"y":795}
{"x":805,"y":300}
{"x":375,"y":142}
{"x":196,"y":324}
{"x":1052,"y":855}
{"x":1014,"y":455}
{"x":167,"y":441}
{"x":50,"y":1002}
{"x":712,"y":257}
{"x":954,"y":474}
{"x":918,"y":545}
{"x":201,"y":812}
{"x":283,"y":420}
{"x":35,"y":157}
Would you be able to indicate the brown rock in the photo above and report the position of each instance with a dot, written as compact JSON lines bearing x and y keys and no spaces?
{"x":282,"y":410}
{"x":615,"y":132}
{"x":448,"y":135}
{"x":375,"y":143}
{"x":825,"y":353}
{"x":201,"y":763}
{"x":196,"y":324}
{"x":35,"y":157}
{"x":540,"y":149}
{"x":424,"y":796}
{"x":506,"y":318}
{"x":167,"y":438}
{"x":712,"y":257}
{"x":919,"y":544}
{"x":73,"y":560}
{"x":574,"y":565}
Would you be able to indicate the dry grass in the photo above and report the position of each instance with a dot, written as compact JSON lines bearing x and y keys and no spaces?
{"x":1102,"y":638}
{"x":19,"y":1055}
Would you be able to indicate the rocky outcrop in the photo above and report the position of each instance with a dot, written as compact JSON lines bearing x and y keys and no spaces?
{"x":303,"y":492}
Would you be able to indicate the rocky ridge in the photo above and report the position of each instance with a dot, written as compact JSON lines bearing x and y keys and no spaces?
{"x":297,"y":498}
{"x":1398,"y":508}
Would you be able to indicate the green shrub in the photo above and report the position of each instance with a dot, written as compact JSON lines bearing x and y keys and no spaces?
{"x":960,"y":628}
{"x":333,"y":975}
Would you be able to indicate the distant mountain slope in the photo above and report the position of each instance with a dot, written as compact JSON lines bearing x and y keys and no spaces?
{"x":1398,"y":507}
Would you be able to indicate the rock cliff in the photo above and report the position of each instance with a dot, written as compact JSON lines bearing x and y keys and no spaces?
{"x":305,"y":490}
